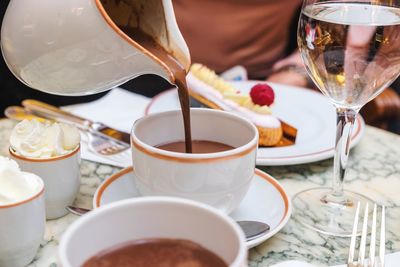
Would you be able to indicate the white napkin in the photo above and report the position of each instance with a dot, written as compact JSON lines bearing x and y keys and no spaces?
{"x":118,"y":109}
{"x":391,"y":260}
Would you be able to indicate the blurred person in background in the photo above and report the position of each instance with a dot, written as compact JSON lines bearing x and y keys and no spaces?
{"x":257,"y":34}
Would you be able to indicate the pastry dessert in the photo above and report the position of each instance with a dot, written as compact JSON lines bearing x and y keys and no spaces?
{"x":208,"y":88}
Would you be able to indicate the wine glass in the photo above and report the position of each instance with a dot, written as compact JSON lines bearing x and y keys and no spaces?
{"x":351,"y":50}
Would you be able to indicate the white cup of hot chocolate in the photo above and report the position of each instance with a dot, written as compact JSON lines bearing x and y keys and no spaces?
{"x":126,"y":223}
{"x":220,"y":179}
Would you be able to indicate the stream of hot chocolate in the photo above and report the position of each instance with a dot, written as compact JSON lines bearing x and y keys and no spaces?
{"x":178,"y":72}
{"x":184,"y":99}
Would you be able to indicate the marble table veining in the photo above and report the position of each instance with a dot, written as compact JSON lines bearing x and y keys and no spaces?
{"x":374,"y":170}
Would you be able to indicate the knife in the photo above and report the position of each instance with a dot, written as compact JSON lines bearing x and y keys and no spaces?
{"x":19,"y":114}
{"x":51,"y":112}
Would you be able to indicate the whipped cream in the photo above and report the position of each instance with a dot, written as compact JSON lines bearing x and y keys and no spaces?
{"x":208,"y":92}
{"x":16,"y":185}
{"x":34,"y":139}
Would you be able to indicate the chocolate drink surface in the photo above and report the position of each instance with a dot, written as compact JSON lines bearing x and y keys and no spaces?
{"x":178,"y":71}
{"x":158,"y":252}
{"x":198,"y":146}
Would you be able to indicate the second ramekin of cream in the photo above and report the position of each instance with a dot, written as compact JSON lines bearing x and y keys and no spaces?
{"x":50,"y":150}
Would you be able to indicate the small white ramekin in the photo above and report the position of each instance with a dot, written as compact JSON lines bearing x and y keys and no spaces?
{"x":22,"y":226}
{"x":61,"y":177}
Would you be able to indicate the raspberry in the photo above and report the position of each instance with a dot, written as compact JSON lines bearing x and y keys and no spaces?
{"x":262,"y":94}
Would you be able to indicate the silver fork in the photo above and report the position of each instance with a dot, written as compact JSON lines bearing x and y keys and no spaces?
{"x":372,"y":262}
{"x":104,"y":145}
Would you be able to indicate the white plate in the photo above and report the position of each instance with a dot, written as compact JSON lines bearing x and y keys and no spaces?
{"x":309,"y":111}
{"x":266,"y":200}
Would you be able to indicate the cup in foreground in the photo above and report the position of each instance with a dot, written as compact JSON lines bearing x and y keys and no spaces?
{"x":220,"y":179}
{"x":153,"y":217}
{"x":22,"y":227}
{"x":61,"y":176}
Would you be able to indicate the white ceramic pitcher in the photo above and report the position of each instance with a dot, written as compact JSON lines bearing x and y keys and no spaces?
{"x":75,"y":47}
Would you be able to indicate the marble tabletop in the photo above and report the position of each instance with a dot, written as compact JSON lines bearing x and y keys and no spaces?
{"x":374,"y":170}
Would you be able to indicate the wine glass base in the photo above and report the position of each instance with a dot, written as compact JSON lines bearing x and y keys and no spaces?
{"x":316,"y":209}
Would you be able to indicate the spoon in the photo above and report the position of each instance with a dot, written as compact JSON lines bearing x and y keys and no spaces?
{"x":251,"y":229}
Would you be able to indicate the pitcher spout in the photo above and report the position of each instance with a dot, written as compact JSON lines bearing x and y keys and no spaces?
{"x":136,"y":20}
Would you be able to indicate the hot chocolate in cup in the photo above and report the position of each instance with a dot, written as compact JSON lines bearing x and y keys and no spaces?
{"x":220,"y":179}
{"x":148,"y":218}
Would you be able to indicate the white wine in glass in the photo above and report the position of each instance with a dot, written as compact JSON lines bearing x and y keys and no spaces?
{"x":351,"y":50}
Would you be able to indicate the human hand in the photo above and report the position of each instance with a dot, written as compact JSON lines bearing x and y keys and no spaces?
{"x":289,"y":77}
{"x":293,"y":59}
{"x":291,"y":70}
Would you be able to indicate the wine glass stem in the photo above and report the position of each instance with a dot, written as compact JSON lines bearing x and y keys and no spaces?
{"x":345,"y":121}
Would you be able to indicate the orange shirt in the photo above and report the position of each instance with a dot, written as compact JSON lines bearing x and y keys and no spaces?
{"x":225,"y":33}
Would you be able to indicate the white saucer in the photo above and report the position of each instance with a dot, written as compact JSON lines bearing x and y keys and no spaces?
{"x":309,"y":111}
{"x":266,"y":200}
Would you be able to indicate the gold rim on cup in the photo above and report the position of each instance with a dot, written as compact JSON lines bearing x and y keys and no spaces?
{"x":20,"y":157}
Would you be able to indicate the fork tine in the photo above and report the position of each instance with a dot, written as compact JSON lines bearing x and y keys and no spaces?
{"x":361,"y":254}
{"x":373,"y":237}
{"x":353,"y":236}
{"x":382,"y":239}
{"x":104,"y":145}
